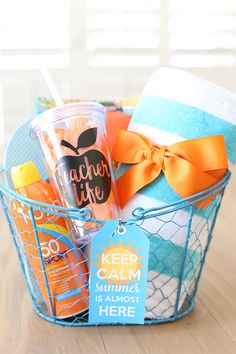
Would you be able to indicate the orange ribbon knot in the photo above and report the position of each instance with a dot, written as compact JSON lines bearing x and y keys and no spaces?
{"x":190,"y":166}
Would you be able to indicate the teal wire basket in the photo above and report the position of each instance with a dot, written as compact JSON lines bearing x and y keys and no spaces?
{"x":180,"y":234}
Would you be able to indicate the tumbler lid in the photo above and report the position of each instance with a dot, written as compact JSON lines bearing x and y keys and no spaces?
{"x":58,"y":113}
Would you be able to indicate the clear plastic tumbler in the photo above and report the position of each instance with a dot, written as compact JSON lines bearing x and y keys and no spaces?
{"x":74,"y":145}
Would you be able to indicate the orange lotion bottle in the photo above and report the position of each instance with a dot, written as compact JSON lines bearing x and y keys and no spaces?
{"x":61,"y":264}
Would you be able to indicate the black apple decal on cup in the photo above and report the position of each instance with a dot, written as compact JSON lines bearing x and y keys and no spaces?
{"x":85,"y":178}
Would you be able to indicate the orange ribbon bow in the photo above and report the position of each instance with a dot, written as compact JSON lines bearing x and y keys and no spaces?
{"x":190,"y":166}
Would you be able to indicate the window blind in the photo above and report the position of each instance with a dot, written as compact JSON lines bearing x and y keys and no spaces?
{"x":180,"y":33}
{"x":33,"y":33}
{"x":202,"y":33}
{"x":123,"y":33}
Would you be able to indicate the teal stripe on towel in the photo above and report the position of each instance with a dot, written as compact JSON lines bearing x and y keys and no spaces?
{"x":166,"y":258}
{"x":183,"y":120}
{"x":160,"y":190}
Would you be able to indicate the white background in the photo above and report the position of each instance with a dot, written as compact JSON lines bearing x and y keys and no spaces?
{"x":107,"y":49}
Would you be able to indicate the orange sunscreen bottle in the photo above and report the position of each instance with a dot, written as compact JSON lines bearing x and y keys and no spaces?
{"x":61,"y":265}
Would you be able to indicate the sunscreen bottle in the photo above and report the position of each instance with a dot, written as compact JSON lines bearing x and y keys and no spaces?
{"x":61,"y":265}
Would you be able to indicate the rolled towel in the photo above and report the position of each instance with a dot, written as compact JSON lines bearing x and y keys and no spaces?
{"x":175,"y":106}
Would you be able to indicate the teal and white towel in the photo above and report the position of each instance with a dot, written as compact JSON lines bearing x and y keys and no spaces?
{"x":175,"y":106}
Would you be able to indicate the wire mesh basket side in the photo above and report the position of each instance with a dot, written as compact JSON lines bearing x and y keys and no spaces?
{"x":179,"y":241}
{"x":57,"y":278}
{"x":179,"y":235}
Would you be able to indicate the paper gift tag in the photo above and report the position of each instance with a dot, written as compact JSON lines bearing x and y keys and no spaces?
{"x":118,"y":274}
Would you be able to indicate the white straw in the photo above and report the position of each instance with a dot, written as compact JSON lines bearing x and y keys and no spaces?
{"x":51,"y":85}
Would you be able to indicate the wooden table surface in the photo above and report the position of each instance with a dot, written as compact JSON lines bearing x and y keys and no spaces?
{"x":210,"y":328}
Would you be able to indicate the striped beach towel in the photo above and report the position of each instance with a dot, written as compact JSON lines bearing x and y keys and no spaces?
{"x":175,"y":106}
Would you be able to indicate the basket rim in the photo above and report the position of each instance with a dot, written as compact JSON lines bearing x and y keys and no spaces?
{"x":137,"y":213}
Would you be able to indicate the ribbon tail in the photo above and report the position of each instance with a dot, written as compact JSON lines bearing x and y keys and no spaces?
{"x":186,"y":179}
{"x":207,"y":153}
{"x":135,"y":178}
